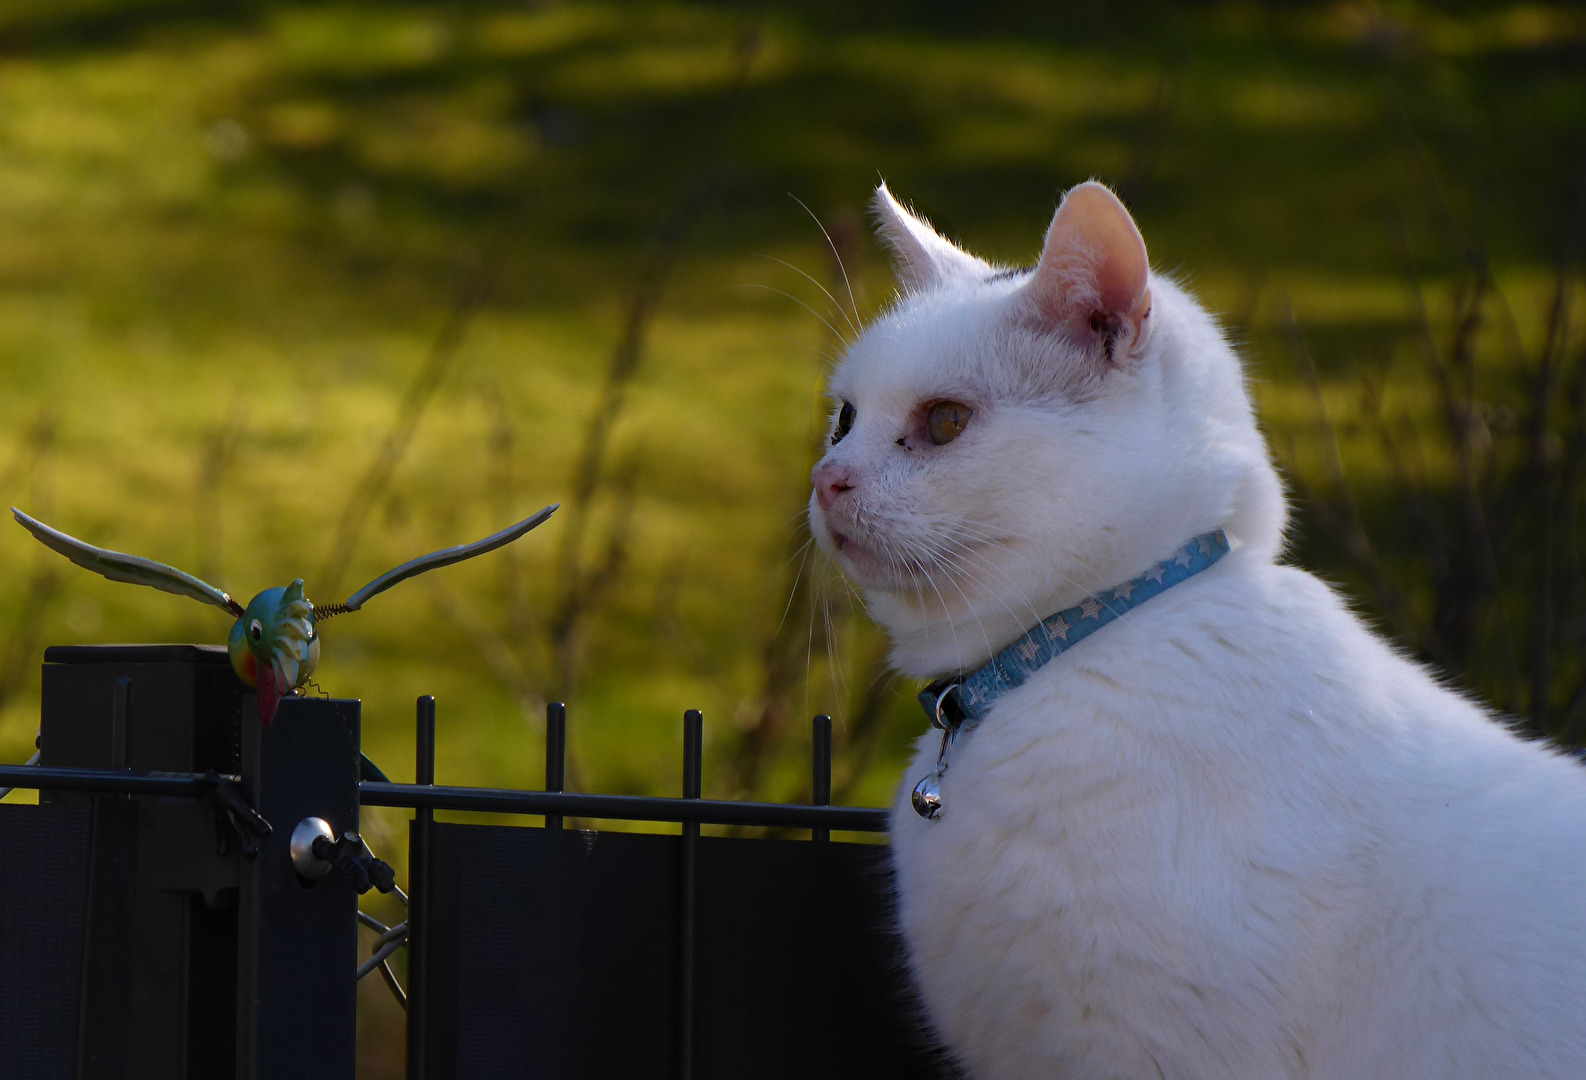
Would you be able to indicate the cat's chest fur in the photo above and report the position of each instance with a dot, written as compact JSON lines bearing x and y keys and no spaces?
{"x":1189,"y":848}
{"x":1088,"y":865}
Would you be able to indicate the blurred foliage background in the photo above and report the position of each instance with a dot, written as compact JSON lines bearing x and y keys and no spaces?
{"x":305,"y":289}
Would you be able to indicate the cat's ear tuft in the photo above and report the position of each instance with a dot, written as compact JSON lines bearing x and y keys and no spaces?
{"x":922,"y":257}
{"x":1092,"y":279}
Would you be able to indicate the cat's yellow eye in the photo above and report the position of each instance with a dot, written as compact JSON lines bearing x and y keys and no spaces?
{"x":946,"y":421}
{"x":845,"y":422}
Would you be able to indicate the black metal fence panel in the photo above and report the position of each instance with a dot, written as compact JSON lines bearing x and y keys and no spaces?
{"x":799,"y":971}
{"x":43,"y":906}
{"x":559,"y":954}
{"x":156,"y":924}
{"x":530,"y":978}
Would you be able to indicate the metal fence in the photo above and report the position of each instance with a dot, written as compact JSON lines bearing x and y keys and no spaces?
{"x":154,"y":921}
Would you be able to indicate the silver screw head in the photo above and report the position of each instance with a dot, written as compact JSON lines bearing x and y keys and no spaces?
{"x":309,"y":866}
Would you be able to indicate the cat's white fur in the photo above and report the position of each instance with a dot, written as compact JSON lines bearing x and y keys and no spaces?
{"x":1234,"y":835}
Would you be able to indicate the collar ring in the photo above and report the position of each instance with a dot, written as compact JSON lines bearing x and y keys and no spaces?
{"x":937,"y":719}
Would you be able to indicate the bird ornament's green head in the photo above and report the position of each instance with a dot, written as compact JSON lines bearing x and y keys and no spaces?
{"x":273,"y":646}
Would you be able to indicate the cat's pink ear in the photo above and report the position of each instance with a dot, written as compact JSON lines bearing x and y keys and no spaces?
{"x":922,"y":257}
{"x":1092,"y":280}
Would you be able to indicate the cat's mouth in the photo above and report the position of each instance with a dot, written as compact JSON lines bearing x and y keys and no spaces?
{"x":846,"y":544}
{"x":867,"y":561}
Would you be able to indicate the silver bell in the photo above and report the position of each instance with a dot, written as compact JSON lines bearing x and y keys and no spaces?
{"x":928,"y":797}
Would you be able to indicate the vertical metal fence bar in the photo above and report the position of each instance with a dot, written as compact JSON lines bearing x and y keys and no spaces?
{"x":419,"y":856}
{"x":693,"y":752}
{"x":821,"y":770}
{"x":121,"y":726}
{"x":555,"y":755}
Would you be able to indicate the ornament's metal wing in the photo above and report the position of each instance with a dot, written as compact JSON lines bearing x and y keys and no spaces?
{"x":129,"y":568}
{"x":446,"y":557}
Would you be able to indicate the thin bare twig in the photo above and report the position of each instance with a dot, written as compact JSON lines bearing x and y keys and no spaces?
{"x":1540,"y":475}
{"x":865,"y":727}
{"x":785,"y":656}
{"x":216,"y":455}
{"x":21,"y":650}
{"x":581,"y":581}
{"x":501,"y":658}
{"x":1339,"y":513}
{"x":428,"y":379}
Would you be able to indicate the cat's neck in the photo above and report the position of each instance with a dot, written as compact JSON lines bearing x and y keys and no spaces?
{"x":936,"y":634}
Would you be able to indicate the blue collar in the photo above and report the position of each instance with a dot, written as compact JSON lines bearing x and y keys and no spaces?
{"x":957,"y":704}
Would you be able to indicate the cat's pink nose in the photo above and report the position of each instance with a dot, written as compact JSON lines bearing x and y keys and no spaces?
{"x":830,"y":481}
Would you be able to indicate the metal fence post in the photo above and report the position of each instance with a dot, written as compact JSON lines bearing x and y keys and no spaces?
{"x":420,"y":854}
{"x":297,"y":950}
{"x":121,"y":725}
{"x":555,"y":755}
{"x":821,"y":770}
{"x":156,"y":925}
{"x":693,"y":752}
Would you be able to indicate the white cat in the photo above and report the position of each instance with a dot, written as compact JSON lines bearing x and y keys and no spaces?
{"x":1232,"y":835}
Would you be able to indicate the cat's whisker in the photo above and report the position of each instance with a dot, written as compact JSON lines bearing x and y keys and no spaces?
{"x":852,"y":325}
{"x":838,"y":334}
{"x":947,"y":613}
{"x":956,"y":559}
{"x":822,"y":610}
{"x":968,"y":606}
{"x":854,"y":595}
{"x":973,"y":547}
{"x":1127,"y":626}
{"x":799,"y":551}
{"x":839,"y":679}
{"x":907,"y":566}
{"x":999,"y":540}
{"x":941,"y":560}
{"x":987,"y":540}
{"x":818,"y":590}
{"x":1053,"y":569}
{"x":924,"y":611}
{"x":803,"y":556}
{"x":835,"y":254}
{"x":821,"y":349}
{"x":1019,"y":594}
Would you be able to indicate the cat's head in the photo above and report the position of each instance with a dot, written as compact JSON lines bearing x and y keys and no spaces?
{"x":1006,"y":442}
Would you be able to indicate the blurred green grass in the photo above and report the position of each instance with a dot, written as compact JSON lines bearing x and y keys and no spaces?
{"x":231,"y":233}
{"x":249,"y":222}
{"x":252,"y":219}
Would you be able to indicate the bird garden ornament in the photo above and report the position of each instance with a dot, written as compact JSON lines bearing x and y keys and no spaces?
{"x":274,"y":643}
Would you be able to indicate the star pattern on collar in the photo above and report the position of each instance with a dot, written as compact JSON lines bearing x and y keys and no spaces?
{"x":976,"y":690}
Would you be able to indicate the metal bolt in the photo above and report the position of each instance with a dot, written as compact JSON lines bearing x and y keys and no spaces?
{"x":310,"y":866}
